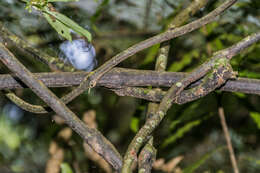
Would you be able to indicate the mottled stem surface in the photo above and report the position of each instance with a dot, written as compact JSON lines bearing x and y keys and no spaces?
{"x":91,"y":80}
{"x":92,"y":136}
{"x":217,"y":69}
{"x":148,"y":154}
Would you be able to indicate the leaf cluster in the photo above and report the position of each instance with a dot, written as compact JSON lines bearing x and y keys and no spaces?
{"x":61,"y":23}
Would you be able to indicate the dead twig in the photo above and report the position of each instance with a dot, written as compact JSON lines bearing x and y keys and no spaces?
{"x":148,"y":154}
{"x":228,"y":139}
{"x":92,"y":136}
{"x":91,"y":80}
{"x":217,"y":68}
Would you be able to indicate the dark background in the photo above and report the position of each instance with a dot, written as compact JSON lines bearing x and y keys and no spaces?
{"x":191,"y":130}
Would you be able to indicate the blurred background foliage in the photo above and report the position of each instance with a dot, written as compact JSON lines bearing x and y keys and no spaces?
{"x":190,"y":132}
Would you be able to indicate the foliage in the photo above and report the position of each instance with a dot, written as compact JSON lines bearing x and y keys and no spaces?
{"x":256,"y":117}
{"x":65,"y":168}
{"x":190,"y":130}
{"x":180,"y":133}
{"x":61,"y":23}
{"x":201,"y":161}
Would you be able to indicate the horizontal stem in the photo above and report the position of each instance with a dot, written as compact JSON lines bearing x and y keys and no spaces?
{"x":92,"y":136}
{"x":121,"y":78}
{"x":91,"y":80}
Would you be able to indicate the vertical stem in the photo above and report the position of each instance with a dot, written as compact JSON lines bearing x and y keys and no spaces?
{"x":147,"y":13}
{"x":228,"y":140}
{"x":92,"y":136}
{"x":91,"y":80}
{"x":161,"y":64}
{"x":146,"y":157}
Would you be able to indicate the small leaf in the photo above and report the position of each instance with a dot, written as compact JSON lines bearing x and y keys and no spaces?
{"x":253,"y":160}
{"x":134,"y":125}
{"x":181,"y":131}
{"x":174,"y":124}
{"x":152,"y":52}
{"x":69,"y":23}
{"x":256,"y":117}
{"x":65,"y":168}
{"x":204,"y":158}
{"x":186,"y":60}
{"x":62,"y":29}
{"x":240,"y":95}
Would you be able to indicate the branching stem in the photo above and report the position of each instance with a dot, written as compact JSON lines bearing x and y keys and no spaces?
{"x":91,"y":80}
{"x":92,"y":136}
{"x":218,"y":67}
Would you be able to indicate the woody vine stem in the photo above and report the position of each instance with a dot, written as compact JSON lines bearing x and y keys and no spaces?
{"x":206,"y":78}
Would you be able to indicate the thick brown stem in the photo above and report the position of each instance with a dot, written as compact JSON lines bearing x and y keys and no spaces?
{"x":91,"y":80}
{"x":92,"y":136}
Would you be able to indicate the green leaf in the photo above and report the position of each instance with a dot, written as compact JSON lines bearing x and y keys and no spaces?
{"x":211,"y":27}
{"x":181,"y":132}
{"x":62,"y":29}
{"x":249,"y":74}
{"x":197,"y":164}
{"x":217,"y":44}
{"x":65,"y":168}
{"x":62,"y":0}
{"x":256,"y":117}
{"x":134,"y":125}
{"x":9,"y":134}
{"x":174,"y":124}
{"x":186,"y":60}
{"x":152,"y":52}
{"x":99,"y":10}
{"x":240,"y":95}
{"x":69,"y":23}
{"x":254,"y":160}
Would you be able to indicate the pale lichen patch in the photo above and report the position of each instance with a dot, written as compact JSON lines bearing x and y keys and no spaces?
{"x":178,"y":84}
{"x":152,"y":124}
{"x":139,"y":140}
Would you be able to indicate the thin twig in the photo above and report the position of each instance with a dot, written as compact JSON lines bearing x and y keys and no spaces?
{"x":218,"y":64}
{"x":92,"y":136}
{"x":148,"y":154}
{"x":177,"y":21}
{"x":91,"y":80}
{"x":125,"y":77}
{"x":147,"y":13}
{"x":228,"y":139}
{"x":164,"y":105}
{"x":11,"y":40}
{"x":144,"y":78}
{"x":222,"y":56}
{"x":208,"y":84}
{"x":55,"y":64}
{"x":37,"y":109}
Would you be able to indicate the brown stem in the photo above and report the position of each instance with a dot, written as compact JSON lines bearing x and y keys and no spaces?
{"x":210,"y":85}
{"x":11,"y":40}
{"x":120,"y":80}
{"x":228,"y":139}
{"x":55,"y":64}
{"x":217,"y":68}
{"x":147,"y":14}
{"x":92,"y":136}
{"x":91,"y":80}
{"x":147,"y":155}
{"x":37,"y":109}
